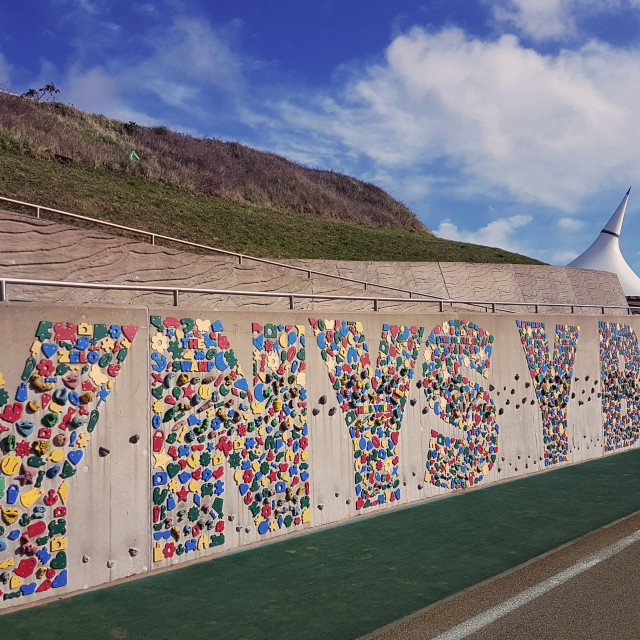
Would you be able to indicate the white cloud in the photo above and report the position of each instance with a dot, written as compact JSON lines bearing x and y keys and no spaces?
{"x":498,"y":233}
{"x":539,"y":19}
{"x":570,"y":224}
{"x":186,"y":61}
{"x":551,"y":19}
{"x":501,"y":118}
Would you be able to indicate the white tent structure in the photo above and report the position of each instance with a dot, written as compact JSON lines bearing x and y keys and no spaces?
{"x":604,"y":254}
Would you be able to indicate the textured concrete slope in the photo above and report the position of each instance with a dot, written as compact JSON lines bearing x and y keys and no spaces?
{"x":42,"y":249}
{"x":45,"y":249}
{"x":528,"y":284}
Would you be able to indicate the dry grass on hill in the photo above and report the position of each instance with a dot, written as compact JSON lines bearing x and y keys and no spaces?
{"x":205,"y":167}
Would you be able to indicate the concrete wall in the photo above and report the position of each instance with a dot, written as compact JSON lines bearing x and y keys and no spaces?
{"x":364,"y":411}
{"x":32,"y":248}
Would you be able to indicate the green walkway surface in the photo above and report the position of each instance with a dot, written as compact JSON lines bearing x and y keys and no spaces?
{"x":345,"y":581}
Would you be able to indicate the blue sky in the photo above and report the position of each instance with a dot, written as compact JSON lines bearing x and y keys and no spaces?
{"x":511,"y":123}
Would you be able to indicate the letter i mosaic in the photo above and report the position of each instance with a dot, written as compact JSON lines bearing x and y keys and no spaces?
{"x":205,"y":412}
{"x":457,"y":400}
{"x":619,"y":370}
{"x":44,"y":432}
{"x":372,"y":399}
{"x":271,"y":457}
{"x":551,"y":375}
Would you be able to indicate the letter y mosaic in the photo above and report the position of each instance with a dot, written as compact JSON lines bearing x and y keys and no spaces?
{"x":372,"y":399}
{"x":45,"y":429}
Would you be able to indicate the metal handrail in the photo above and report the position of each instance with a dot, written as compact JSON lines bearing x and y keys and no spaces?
{"x":176,"y":291}
{"x":241,"y":257}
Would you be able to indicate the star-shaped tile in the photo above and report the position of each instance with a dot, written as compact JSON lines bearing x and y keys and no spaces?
{"x":161,"y":460}
{"x":26,"y":476}
{"x":188,"y":391}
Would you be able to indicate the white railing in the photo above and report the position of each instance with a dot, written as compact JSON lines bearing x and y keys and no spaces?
{"x":488,"y":305}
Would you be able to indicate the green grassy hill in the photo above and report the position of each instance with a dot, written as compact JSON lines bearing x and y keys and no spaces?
{"x":207,"y":191}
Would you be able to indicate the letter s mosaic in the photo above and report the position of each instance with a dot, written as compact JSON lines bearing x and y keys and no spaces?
{"x":619,"y":371}
{"x":458,"y":400}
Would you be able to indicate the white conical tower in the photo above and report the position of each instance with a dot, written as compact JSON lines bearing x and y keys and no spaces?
{"x":604,"y":254}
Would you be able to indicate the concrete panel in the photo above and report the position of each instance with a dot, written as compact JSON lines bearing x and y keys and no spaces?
{"x":538,"y":377}
{"x":106,"y":504}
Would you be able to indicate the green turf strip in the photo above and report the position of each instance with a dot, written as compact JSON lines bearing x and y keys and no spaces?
{"x":348,"y":580}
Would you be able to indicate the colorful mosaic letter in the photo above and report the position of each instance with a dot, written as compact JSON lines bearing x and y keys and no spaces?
{"x":552,"y":381}
{"x":44,"y":431}
{"x":372,"y":400}
{"x":620,"y":367}
{"x":205,"y":412}
{"x":459,"y":462}
{"x":195,"y":380}
{"x":270,"y":453}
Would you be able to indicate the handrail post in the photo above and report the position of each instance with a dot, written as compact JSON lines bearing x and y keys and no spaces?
{"x":366,"y":286}
{"x":537,"y":308}
{"x":309,"y":274}
{"x":441,"y":306}
{"x":375,"y":304}
{"x":176,"y":297}
{"x":3,"y":291}
{"x":292,"y":304}
{"x":240,"y":259}
{"x":493,"y":307}
{"x":37,"y":212}
{"x":410,"y":295}
{"x":153,"y":238}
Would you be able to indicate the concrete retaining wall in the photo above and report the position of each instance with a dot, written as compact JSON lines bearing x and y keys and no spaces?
{"x":137,"y":439}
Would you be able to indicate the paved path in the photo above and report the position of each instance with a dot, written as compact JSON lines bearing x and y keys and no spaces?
{"x":601,"y":600}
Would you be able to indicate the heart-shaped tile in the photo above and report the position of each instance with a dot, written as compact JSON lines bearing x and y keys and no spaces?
{"x":60,"y":561}
{"x":75,"y":456}
{"x":49,"y":349}
{"x":173,"y":469}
